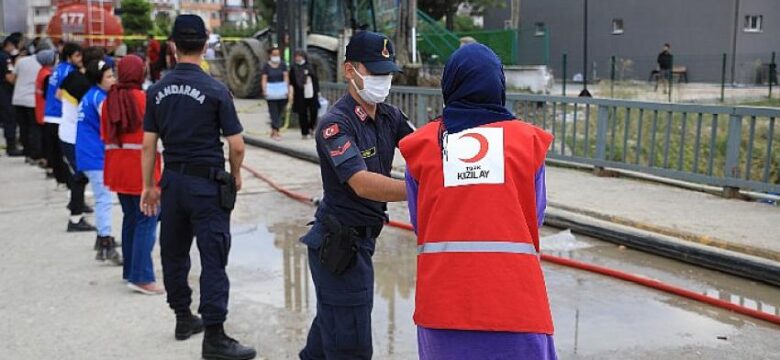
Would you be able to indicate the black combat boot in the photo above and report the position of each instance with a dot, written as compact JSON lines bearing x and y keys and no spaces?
{"x":107,"y":250}
{"x":187,"y":325}
{"x":80,"y":226}
{"x":218,"y":346}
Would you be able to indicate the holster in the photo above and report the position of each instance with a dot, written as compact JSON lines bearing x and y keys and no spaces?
{"x":338,"y":252}
{"x":227,"y":189}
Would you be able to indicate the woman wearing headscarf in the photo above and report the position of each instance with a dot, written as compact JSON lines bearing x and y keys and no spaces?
{"x":122,"y":131}
{"x":306,"y":89}
{"x":475,"y":180}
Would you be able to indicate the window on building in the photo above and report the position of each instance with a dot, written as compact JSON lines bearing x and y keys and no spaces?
{"x":754,"y":23}
{"x":539,"y":29}
{"x":214,"y":16}
{"x":617,"y":26}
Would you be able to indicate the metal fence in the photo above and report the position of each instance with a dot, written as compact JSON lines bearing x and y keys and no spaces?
{"x":725,"y":146}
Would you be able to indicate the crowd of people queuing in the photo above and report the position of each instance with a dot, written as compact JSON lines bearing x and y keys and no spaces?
{"x":293,"y":88}
{"x":79,"y":114}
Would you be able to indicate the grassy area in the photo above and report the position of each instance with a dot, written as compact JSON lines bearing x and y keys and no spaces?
{"x":676,"y":141}
{"x":765,"y":103}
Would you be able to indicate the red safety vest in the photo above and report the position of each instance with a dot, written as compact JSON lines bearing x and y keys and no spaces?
{"x":122,"y":169}
{"x":478,"y":240}
{"x":40,"y":96}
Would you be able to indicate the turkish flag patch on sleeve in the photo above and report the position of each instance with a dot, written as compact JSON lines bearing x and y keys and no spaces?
{"x":330,"y":131}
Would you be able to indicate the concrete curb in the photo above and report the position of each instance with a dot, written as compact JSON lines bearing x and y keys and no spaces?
{"x":678,"y":248}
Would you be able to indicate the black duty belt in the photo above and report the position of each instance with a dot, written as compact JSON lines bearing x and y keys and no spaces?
{"x":367,"y":231}
{"x":202,"y":171}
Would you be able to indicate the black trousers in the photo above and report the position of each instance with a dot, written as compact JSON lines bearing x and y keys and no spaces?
{"x":29,"y":132}
{"x":52,"y":151}
{"x":276,"y":109}
{"x":7,"y":116}
{"x":77,"y":181}
{"x":307,"y":117}
{"x":190,"y":207}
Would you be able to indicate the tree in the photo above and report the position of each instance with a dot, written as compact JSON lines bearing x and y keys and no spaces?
{"x":266,"y":9}
{"x":162,"y":23}
{"x":447,"y":9}
{"x":136,"y":17}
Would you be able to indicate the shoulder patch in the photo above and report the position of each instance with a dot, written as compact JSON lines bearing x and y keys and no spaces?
{"x":330,"y":131}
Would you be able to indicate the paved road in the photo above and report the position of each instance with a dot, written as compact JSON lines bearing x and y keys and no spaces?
{"x":58,"y":303}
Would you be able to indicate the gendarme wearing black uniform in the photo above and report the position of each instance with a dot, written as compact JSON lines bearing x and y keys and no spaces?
{"x":356,"y":143}
{"x":189,"y":111}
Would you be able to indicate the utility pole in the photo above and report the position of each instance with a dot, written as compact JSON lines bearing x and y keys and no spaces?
{"x":514,"y":16}
{"x":585,"y":92}
{"x":734,"y":42}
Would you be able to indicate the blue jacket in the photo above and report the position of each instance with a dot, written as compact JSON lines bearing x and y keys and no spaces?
{"x":54,"y":105}
{"x":90,"y":149}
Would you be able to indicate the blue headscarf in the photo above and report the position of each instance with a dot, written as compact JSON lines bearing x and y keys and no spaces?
{"x":474,"y":89}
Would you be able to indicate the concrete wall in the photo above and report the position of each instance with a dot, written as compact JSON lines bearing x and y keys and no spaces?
{"x":700,"y":31}
{"x":754,"y":49}
{"x":13,"y":16}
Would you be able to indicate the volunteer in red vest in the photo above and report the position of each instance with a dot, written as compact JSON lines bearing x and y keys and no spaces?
{"x":475,"y":180}
{"x":47,"y":58}
{"x":122,"y":131}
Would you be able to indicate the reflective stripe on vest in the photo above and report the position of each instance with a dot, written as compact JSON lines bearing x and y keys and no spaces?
{"x":477,"y":247}
{"x":124,"y":146}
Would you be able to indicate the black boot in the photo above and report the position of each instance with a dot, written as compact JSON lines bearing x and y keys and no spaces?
{"x":107,"y":250}
{"x":80,"y":226}
{"x":218,"y":346}
{"x":187,"y":325}
{"x":12,"y":151}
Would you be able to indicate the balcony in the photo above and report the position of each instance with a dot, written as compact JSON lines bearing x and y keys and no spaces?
{"x":40,"y":3}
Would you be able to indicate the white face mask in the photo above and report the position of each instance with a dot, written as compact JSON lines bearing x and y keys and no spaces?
{"x":276,"y":59}
{"x":376,"y":88}
{"x":14,"y":52}
{"x":301,"y":62}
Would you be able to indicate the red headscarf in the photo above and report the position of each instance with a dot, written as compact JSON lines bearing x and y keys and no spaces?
{"x":124,"y":117}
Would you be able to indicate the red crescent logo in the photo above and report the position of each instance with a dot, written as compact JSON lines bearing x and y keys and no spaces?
{"x":483,"y":147}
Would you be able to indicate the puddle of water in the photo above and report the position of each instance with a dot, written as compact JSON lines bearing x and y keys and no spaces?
{"x":273,"y":268}
{"x":592,"y":314}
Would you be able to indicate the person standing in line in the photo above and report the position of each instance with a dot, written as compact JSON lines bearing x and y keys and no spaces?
{"x":189,"y":110}
{"x":275,"y":82}
{"x":27,"y":68}
{"x":153,"y":57}
{"x":121,"y":129}
{"x":7,"y":79}
{"x":72,"y":89}
{"x":480,"y":290}
{"x":356,"y":142}
{"x":70,"y":60}
{"x":90,"y":156}
{"x":47,"y":59}
{"x":306,"y":89}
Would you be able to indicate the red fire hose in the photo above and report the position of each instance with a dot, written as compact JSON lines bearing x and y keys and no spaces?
{"x":636,"y":279}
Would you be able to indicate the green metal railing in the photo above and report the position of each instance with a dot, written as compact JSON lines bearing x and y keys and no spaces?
{"x":725,"y":146}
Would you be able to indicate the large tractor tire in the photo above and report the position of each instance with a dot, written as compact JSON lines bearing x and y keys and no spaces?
{"x":325,"y":61}
{"x":244,"y":64}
